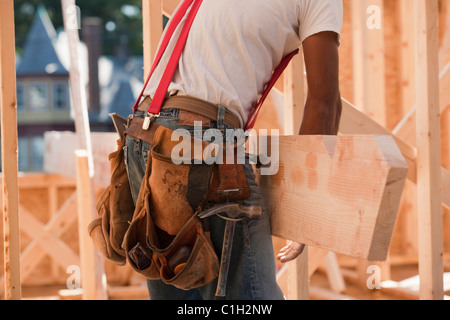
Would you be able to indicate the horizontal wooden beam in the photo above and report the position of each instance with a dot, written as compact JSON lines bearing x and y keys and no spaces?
{"x":354,"y":121}
{"x":337,"y":193}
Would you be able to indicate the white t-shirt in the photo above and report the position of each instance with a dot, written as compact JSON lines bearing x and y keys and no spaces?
{"x":234,"y":46}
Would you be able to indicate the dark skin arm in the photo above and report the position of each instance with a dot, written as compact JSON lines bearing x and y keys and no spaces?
{"x":323,"y":105}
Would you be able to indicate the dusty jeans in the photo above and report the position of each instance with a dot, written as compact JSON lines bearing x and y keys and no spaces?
{"x":252,"y":274}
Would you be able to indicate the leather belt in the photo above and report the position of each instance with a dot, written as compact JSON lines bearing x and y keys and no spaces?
{"x":194,"y":105}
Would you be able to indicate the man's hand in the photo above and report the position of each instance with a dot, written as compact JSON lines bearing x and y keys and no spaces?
{"x":290,"y":252}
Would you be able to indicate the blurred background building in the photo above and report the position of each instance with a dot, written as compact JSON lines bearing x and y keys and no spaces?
{"x":113,"y":82}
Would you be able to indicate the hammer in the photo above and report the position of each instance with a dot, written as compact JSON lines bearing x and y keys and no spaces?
{"x":234,"y":212}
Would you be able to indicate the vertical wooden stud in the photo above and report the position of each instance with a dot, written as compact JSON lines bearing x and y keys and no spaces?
{"x":369,"y":59}
{"x":152,"y":30}
{"x":294,"y":104}
{"x":93,"y":274}
{"x":428,"y":150}
{"x":9,"y":152}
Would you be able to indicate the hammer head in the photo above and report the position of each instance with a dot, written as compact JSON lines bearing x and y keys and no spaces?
{"x":233,"y":211}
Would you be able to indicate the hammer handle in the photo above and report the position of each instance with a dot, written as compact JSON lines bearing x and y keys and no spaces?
{"x":225,"y":260}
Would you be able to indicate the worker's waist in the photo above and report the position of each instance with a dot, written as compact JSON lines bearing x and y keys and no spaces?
{"x":196,"y":106}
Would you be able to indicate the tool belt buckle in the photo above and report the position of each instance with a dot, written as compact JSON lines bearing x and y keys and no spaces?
{"x":148,"y":119}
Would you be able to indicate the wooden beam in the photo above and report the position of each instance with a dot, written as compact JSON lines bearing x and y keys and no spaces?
{"x":406,"y":18}
{"x":78,"y":91}
{"x":152,"y":30}
{"x":11,"y":233}
{"x":355,"y":122}
{"x":294,"y":104}
{"x":92,"y":275}
{"x":294,"y":95}
{"x":369,"y":58}
{"x":429,"y":150}
{"x":406,"y":128}
{"x":337,"y":193}
{"x":444,"y":50}
{"x":58,"y":226}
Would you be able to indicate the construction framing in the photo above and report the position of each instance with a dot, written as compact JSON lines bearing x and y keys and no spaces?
{"x":422,"y":122}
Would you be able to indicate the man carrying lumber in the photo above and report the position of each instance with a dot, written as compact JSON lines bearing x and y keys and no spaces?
{"x":230,"y":54}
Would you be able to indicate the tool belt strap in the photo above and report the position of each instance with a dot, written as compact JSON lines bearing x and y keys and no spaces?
{"x":194,"y":105}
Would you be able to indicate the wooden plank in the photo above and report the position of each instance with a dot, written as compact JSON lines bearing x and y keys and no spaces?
{"x":58,"y":225}
{"x":334,"y":274}
{"x":11,"y":234}
{"x":369,"y":59}
{"x":294,"y":104}
{"x":355,"y":122}
{"x":95,"y":275}
{"x":294,"y":95}
{"x":92,"y":273}
{"x":61,"y":253}
{"x":337,"y":193}
{"x":444,"y":50}
{"x":429,"y":150}
{"x":406,"y":128}
{"x":152,"y":30}
{"x":406,"y":17}
{"x":78,"y":92}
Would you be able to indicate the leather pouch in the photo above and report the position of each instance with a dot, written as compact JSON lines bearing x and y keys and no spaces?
{"x":165,"y":224}
{"x":115,"y":209}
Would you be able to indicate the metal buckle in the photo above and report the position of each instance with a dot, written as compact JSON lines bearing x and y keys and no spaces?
{"x":148,"y":119}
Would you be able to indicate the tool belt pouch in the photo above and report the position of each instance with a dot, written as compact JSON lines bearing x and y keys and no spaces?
{"x":228,"y":183}
{"x":115,"y":209}
{"x":166,"y":240}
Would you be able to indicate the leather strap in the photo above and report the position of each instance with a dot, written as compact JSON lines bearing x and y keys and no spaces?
{"x":135,"y":130}
{"x":194,"y":105}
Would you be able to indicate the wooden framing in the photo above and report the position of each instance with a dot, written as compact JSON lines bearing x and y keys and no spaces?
{"x":429,"y":150}
{"x":368,"y":53}
{"x":9,"y":152}
{"x":46,"y":238}
{"x":294,"y":103}
{"x":421,"y":156}
{"x":92,"y":263}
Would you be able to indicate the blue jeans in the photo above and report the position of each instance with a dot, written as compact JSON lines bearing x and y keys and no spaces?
{"x":252,"y":274}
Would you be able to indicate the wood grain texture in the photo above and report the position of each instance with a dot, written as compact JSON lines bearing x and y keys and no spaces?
{"x":337,"y":193}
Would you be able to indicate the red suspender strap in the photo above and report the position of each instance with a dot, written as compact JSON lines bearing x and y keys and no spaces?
{"x":170,"y":29}
{"x":275,"y":76}
{"x":158,"y":99}
{"x":161,"y":91}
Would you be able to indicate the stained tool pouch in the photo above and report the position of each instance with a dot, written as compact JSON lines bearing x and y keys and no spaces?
{"x":115,"y":209}
{"x":165,"y":239}
{"x":228,"y":183}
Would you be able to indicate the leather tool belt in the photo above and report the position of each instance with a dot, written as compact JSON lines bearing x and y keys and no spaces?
{"x":161,"y":237}
{"x":200,"y":107}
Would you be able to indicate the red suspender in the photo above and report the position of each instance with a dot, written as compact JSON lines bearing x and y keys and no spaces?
{"x":161,"y":91}
{"x":176,"y":19}
{"x":275,"y":76}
